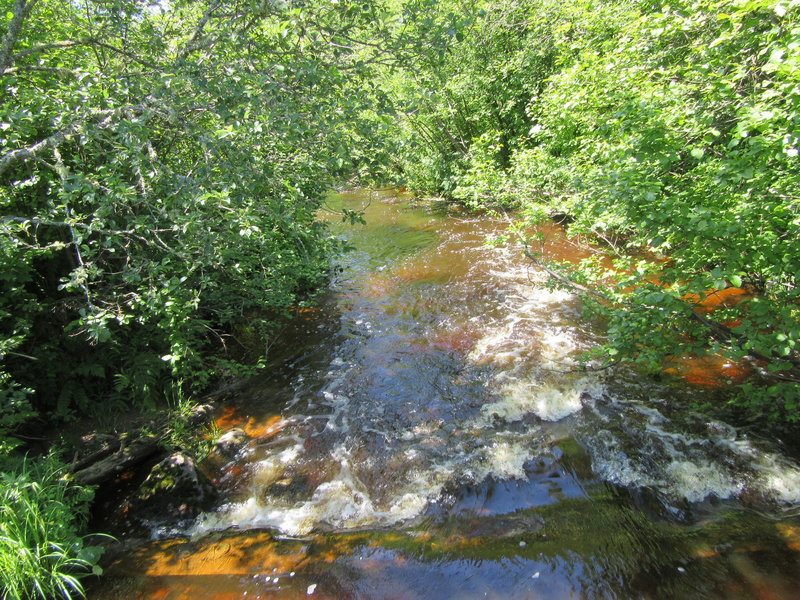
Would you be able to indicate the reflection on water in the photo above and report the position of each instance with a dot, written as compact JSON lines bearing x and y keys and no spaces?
{"x":428,"y":433}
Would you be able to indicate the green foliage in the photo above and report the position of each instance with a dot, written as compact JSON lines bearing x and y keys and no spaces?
{"x":41,"y":553}
{"x":484,"y":183}
{"x":181,"y":431}
{"x":680,"y":133}
{"x":15,"y":409}
{"x":671,"y":132}
{"x":778,"y":401}
{"x":456,"y":104}
{"x":160,"y":170}
{"x":161,"y":165}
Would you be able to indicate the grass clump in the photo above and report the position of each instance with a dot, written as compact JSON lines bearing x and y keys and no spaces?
{"x":42,"y":554}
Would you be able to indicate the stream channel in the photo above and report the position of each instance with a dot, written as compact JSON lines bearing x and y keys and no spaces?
{"x":427,"y":433}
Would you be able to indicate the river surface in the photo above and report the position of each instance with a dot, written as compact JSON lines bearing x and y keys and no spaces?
{"x":427,"y":432}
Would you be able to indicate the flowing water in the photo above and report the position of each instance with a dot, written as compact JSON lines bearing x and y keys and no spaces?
{"x":428,"y":433}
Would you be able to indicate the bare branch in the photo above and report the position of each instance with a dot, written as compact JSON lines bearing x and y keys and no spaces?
{"x":564,"y":280}
{"x":10,"y":353}
{"x":56,"y":70}
{"x":103,"y":118}
{"x":44,"y":47}
{"x":193,"y":43}
{"x":22,"y":154}
{"x":725,"y":334}
{"x":125,"y":53}
{"x":47,"y":223}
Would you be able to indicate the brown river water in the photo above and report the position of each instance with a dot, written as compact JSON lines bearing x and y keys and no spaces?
{"x":427,"y":433}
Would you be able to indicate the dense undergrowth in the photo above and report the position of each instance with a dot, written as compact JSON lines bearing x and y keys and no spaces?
{"x":161,"y":165}
{"x":40,"y":550}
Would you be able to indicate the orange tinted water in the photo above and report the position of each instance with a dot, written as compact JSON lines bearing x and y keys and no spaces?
{"x":428,"y":433}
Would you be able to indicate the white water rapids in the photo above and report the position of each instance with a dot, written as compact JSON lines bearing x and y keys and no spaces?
{"x":449,"y":364}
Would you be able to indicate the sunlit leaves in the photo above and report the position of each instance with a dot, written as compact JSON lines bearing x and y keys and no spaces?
{"x":176,"y":197}
{"x":672,"y":130}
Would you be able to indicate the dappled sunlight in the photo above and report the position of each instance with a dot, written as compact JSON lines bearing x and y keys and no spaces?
{"x":230,"y":555}
{"x":791,"y":534}
{"x":489,"y":383}
{"x":715,"y":299}
{"x":255,"y":427}
{"x":229,"y":418}
{"x":264,"y":430}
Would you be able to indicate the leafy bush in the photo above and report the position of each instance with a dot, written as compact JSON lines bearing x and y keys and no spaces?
{"x":160,"y":170}
{"x":475,"y":67}
{"x":485,"y":182}
{"x":681,"y":134}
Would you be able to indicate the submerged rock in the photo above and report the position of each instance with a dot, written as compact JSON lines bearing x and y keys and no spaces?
{"x":291,"y":489}
{"x":174,"y":489}
{"x":523,"y":523}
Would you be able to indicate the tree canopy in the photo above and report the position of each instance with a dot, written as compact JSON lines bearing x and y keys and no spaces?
{"x":161,"y":165}
{"x":160,"y":169}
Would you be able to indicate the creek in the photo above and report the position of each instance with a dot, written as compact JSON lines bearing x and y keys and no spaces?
{"x":427,"y":432}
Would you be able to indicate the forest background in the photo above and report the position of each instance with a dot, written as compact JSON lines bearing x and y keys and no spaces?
{"x":161,"y":166}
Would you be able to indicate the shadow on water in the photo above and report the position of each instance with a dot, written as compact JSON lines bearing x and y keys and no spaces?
{"x":426,"y":433}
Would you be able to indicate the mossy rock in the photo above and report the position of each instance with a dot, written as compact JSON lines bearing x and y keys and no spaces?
{"x":175,"y":489}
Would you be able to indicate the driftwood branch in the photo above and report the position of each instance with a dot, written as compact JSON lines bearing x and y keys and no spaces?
{"x":109,"y":463}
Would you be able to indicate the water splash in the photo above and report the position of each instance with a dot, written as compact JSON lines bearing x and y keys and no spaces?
{"x":457,"y":365}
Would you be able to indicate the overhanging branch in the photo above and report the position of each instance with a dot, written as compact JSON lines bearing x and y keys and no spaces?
{"x":21,"y":154}
{"x":716,"y":330}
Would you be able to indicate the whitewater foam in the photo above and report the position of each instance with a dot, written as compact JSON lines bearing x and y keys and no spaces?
{"x":520,"y":398}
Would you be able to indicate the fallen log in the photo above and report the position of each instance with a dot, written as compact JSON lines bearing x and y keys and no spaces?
{"x":110,"y":445}
{"x":127,"y":451}
{"x":128,"y":455}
